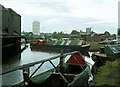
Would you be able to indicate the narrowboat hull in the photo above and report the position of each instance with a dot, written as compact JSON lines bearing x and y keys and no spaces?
{"x":58,"y":48}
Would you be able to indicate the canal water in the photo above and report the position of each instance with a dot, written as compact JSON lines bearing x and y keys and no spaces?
{"x":27,"y":56}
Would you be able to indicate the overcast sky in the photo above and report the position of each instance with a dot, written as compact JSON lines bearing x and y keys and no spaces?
{"x":67,"y":15}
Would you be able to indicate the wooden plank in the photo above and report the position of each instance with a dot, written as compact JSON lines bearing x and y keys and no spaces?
{"x":100,"y":54}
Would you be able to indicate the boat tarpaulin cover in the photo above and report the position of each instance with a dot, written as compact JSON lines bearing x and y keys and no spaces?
{"x":76,"y":56}
{"x":112,"y":49}
{"x":80,"y":42}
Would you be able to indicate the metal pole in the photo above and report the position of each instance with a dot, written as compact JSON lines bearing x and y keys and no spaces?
{"x":59,"y":73}
{"x":62,"y":63}
{"x":36,"y":70}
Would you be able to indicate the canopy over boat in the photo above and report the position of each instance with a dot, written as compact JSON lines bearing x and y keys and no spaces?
{"x":76,"y":59}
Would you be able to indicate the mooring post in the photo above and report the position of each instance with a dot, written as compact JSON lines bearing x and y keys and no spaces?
{"x":26,"y":76}
{"x":62,"y":63}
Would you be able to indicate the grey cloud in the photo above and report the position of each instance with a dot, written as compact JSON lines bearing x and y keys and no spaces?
{"x":56,"y":6}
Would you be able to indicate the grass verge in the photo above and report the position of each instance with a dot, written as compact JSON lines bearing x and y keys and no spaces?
{"x":108,"y":75}
{"x":95,"y":46}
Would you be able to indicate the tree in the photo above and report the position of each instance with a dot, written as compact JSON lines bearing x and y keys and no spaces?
{"x":60,"y":35}
{"x":107,"y":34}
{"x":54,"y":35}
{"x":113,"y":36}
{"x":74,"y":32}
{"x":30,"y":33}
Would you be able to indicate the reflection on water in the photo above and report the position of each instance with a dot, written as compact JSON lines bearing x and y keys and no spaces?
{"x":27,"y":56}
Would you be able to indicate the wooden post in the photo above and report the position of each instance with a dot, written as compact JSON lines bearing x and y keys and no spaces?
{"x":62,"y":63}
{"x":26,"y":77}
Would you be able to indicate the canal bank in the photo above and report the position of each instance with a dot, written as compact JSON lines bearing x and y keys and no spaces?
{"x":107,"y":75}
{"x":106,"y":70}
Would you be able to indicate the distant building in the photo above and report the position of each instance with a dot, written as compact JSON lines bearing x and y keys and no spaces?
{"x":10,"y":22}
{"x":88,"y":31}
{"x":118,"y":31}
{"x":36,"y":28}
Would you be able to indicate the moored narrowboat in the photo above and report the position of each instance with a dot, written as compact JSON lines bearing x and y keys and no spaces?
{"x":64,"y":45}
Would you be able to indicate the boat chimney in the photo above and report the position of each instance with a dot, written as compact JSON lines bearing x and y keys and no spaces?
{"x":102,"y":50}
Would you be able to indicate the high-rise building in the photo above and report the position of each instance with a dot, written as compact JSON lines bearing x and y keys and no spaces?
{"x":118,"y":30}
{"x":88,"y":31}
{"x":36,"y":28}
